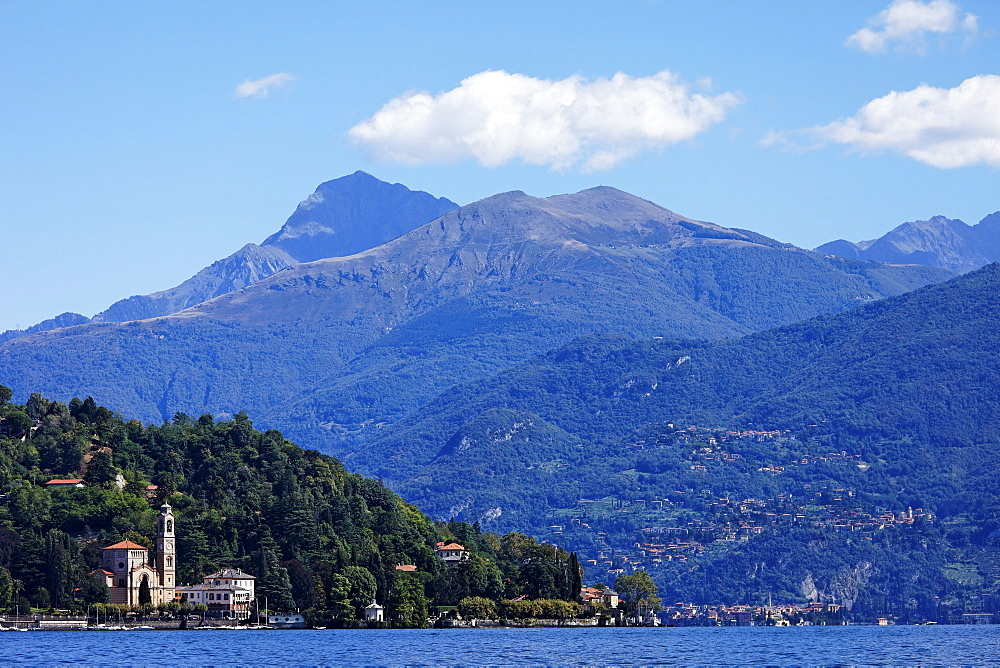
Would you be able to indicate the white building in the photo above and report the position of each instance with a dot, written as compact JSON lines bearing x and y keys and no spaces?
{"x":374,"y":612}
{"x":228,"y":593}
{"x":451,"y":553}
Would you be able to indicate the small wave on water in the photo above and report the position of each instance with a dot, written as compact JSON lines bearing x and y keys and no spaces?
{"x":835,"y":645}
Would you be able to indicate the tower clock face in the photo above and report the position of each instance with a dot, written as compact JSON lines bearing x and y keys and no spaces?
{"x":169,"y":545}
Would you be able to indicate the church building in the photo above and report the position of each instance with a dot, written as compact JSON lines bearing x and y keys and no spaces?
{"x":126,"y":566}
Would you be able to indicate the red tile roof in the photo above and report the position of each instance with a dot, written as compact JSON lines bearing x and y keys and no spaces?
{"x":125,"y":545}
{"x":450,"y":546}
{"x":409,"y":568}
{"x":65,"y":481}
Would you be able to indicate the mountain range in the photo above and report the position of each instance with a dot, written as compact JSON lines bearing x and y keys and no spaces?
{"x":937,"y":242}
{"x":739,"y":416}
{"x":342,"y":217}
{"x":334,"y":349}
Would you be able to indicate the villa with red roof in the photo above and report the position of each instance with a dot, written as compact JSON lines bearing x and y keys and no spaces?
{"x":65,"y":482}
{"x":452,"y":553}
{"x":227,"y":593}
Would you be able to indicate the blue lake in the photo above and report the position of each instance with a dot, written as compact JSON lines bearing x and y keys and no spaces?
{"x":850,"y":645}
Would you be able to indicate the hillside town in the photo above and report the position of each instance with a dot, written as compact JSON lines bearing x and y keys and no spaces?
{"x":143,"y":590}
{"x":662,"y":532}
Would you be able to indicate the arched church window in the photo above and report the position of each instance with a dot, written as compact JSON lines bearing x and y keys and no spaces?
{"x":170,"y":526}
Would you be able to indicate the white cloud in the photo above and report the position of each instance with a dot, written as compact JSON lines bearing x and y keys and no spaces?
{"x":496,"y":117}
{"x":942,"y":127}
{"x":908,"y":22}
{"x":262,"y":87}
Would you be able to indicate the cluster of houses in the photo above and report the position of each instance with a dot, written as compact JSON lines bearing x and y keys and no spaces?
{"x":128,"y":571}
{"x":734,"y":519}
{"x":682,"y":614}
{"x":130,"y":574}
{"x":659,"y":545}
{"x":809,"y":614}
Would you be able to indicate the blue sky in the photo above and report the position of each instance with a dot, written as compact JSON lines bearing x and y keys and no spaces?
{"x":139,"y":142}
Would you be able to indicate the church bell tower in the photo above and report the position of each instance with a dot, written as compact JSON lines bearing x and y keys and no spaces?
{"x":166,"y":553}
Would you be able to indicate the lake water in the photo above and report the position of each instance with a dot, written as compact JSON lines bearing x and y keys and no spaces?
{"x":831,"y":645}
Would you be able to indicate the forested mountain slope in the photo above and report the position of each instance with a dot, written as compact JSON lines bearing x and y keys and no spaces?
{"x":821,"y":432}
{"x":920,"y":365}
{"x":319,"y":540}
{"x":328,"y":349}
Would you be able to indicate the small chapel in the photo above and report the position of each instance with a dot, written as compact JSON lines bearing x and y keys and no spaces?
{"x":125,"y":566}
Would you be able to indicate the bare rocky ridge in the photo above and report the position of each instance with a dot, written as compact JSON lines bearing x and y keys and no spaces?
{"x":244,"y":267}
{"x":937,"y":242}
{"x":354,"y":213}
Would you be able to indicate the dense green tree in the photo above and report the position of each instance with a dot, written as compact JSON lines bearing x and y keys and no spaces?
{"x":303,"y":584}
{"x":638,"y":593}
{"x":477,"y":607}
{"x":407,"y":606}
{"x":339,"y":598}
{"x":41,"y":598}
{"x":37,"y":406}
{"x":575,"y":579}
{"x":93,"y":589}
{"x":6,"y":588}
{"x":101,"y":469}
{"x":362,"y":587}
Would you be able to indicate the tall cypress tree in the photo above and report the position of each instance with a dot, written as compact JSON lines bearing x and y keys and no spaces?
{"x":145,"y":598}
{"x":575,"y":578}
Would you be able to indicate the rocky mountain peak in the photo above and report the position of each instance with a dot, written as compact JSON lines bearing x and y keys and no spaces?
{"x":938,"y":241}
{"x":354,"y":213}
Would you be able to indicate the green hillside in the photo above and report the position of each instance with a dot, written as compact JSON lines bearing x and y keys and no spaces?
{"x":318,"y":539}
{"x":718,"y":464}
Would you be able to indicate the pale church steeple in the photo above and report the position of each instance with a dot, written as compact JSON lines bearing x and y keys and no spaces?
{"x":166,"y":551}
{"x":126,"y":565}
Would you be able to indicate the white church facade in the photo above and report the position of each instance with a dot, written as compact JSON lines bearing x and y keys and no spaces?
{"x":126,"y":566}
